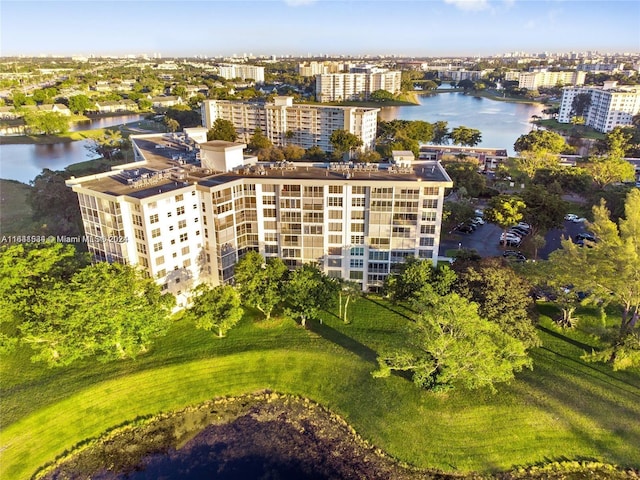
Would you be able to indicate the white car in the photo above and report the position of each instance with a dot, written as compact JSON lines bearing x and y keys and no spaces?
{"x":579,"y":220}
{"x":572,"y":217}
{"x":478,"y":221}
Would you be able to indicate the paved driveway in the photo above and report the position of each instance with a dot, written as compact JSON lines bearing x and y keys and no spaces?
{"x":485,"y":240}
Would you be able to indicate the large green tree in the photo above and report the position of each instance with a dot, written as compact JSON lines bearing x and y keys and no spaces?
{"x":66,"y":312}
{"x":259,"y":140}
{"x":540,"y":140}
{"x":450,"y":345}
{"x":215,"y":308}
{"x":465,"y":136}
{"x":344,"y":142}
{"x":80,"y":103}
{"x":503,"y":297}
{"x":545,"y":210}
{"x":307,"y":292}
{"x":260,"y":282}
{"x":505,"y":210}
{"x":48,"y":123}
{"x":222,"y":130}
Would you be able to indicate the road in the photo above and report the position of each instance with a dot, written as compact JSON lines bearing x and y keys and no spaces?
{"x":485,"y":240}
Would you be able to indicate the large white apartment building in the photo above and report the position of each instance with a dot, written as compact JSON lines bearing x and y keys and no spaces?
{"x":535,"y":80}
{"x":286,"y":123}
{"x":611,"y":105}
{"x":187,"y":214}
{"x":335,"y":87}
{"x":244,"y":72}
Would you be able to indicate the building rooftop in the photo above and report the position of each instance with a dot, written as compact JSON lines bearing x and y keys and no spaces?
{"x":171,"y":163}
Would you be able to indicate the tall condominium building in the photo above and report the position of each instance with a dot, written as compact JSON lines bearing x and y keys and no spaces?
{"x":337,"y":87}
{"x":286,"y":123}
{"x":311,"y":69}
{"x":611,"y":105}
{"x":244,"y":72}
{"x":534,"y":80}
{"x":187,"y":214}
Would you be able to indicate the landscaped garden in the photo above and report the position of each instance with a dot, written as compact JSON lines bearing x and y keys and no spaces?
{"x":564,"y":409}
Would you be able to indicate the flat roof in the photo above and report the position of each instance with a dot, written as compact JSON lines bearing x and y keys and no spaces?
{"x":171,"y":165}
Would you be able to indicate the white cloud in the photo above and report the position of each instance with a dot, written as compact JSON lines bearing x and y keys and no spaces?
{"x":299,"y":3}
{"x":469,"y":5}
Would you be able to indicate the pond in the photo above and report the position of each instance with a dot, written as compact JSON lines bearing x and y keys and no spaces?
{"x":501,"y":123}
{"x":25,"y":162}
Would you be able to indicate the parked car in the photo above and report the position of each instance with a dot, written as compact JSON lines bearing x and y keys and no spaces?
{"x":586,"y":236}
{"x":514,"y":255}
{"x":579,"y":220}
{"x":478,"y":221}
{"x":519,"y":231}
{"x":479,"y":213}
{"x":510,"y":239}
{"x":524,"y":225}
{"x":464,"y":228}
{"x":570,"y":217}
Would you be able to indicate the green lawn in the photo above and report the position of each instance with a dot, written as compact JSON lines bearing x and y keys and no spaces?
{"x":15,"y":211}
{"x":563,"y":409}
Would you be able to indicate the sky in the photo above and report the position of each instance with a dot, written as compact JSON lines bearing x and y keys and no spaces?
{"x":421,"y":28}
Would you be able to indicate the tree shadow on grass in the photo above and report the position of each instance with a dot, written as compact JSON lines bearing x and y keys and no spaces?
{"x":346,"y":342}
{"x":394,"y":310}
{"x":584,"y":346}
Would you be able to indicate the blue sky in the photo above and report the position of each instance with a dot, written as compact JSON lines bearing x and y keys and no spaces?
{"x":300,"y":27}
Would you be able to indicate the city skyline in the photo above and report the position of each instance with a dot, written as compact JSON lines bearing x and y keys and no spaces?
{"x":317,"y":27}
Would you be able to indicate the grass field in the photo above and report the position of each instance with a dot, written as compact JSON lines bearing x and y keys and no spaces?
{"x":15,"y":211}
{"x":563,"y":409}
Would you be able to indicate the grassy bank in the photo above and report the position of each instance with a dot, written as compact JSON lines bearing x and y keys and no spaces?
{"x":15,"y":211}
{"x":563,"y":409}
{"x":581,"y":131}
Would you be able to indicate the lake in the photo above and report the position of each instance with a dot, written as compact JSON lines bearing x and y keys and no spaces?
{"x":501,"y":123}
{"x":24,"y":162}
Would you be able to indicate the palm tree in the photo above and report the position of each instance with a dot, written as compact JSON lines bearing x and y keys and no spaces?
{"x":350,"y":291}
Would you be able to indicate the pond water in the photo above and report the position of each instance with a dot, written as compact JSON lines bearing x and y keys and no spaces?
{"x":24,"y":162}
{"x":501,"y":123}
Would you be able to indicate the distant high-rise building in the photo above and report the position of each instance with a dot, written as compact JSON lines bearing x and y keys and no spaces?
{"x":355,"y":86}
{"x":245,"y":72}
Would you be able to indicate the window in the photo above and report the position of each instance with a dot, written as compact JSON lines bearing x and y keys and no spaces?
{"x":335,"y":189}
{"x":356,"y":263}
{"x":179,"y":198}
{"x":186,"y":263}
{"x":183,"y":237}
{"x":137,"y":219}
{"x":141,"y":248}
{"x":357,"y":215}
{"x":335,"y":214}
{"x":155,"y":233}
{"x":356,"y":275}
{"x":173,"y":241}
{"x":160,"y":260}
{"x":335,"y":227}
{"x":182,"y":224}
{"x":430,"y":191}
{"x":169,"y":214}
{"x":357,"y":227}
{"x":335,"y":239}
{"x":380,"y":256}
{"x":430,"y":203}
{"x":426,"y":241}
{"x":185,"y":250}
{"x":427,"y":229}
{"x":171,"y":228}
{"x":357,"y":202}
{"x":429,"y":216}
{"x":180,"y":211}
{"x":139,"y":234}
{"x":157,"y":247}
{"x":162,"y":273}
{"x":154,"y":218}
{"x":357,"y":239}
{"x":358,"y":190}
{"x":335,"y":201}
{"x":271,"y":249}
{"x":357,"y":252}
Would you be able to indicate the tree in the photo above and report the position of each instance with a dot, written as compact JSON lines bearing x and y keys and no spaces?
{"x":505,"y":210}
{"x":413,"y":275}
{"x":466,"y":84}
{"x":54,"y":205}
{"x":293,"y":153}
{"x":107,"y":143}
{"x":215,"y":308}
{"x":350,"y":291}
{"x":66,"y":311}
{"x":618,"y":141}
{"x":171,"y":124}
{"x":48,"y":123}
{"x":503,"y":297}
{"x":545,"y":210}
{"x":222,"y":130}
{"x":315,"y":154}
{"x":610,"y":269}
{"x":344,"y":142}
{"x":307,"y":292}
{"x":450,"y":345}
{"x":465,"y":136}
{"x":606,"y":171}
{"x":440,"y":133}
{"x":80,"y":103}
{"x":260,"y":283}
{"x":465,"y":175}
{"x":530,"y":162}
{"x":381,"y":95}
{"x":259,"y":140}
{"x":368,"y":156}
{"x":580,"y":104}
{"x":540,"y":140}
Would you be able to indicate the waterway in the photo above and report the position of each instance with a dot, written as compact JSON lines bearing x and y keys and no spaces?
{"x":501,"y":123}
{"x":25,"y":162}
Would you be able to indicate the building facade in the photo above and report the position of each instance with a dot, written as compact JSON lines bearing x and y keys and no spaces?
{"x":534,"y":80}
{"x":186,"y":215}
{"x":611,"y":106}
{"x":336,"y":87}
{"x":286,"y":123}
{"x":244,"y":72}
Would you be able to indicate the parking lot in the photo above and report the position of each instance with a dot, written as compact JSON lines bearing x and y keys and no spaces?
{"x":485,"y":240}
